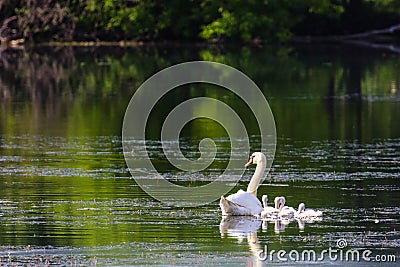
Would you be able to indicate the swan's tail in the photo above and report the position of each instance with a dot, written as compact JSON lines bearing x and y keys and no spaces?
{"x":226,"y":206}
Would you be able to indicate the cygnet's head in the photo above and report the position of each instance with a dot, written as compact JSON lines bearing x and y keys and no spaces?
{"x":278,"y":202}
{"x":302,"y":207}
{"x":283,"y":201}
{"x":264,"y":198}
{"x":256,"y":158}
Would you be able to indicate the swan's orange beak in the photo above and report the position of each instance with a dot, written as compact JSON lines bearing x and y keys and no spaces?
{"x":249,"y":163}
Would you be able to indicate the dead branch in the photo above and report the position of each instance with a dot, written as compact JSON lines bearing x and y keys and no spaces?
{"x":391,"y":29}
{"x":5,"y":26}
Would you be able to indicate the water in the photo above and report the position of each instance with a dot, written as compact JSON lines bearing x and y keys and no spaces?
{"x":66,"y":196}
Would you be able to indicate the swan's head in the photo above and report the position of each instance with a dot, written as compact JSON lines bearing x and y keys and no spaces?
{"x":256,"y":158}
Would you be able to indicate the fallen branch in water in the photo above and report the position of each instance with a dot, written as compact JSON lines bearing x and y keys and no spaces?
{"x":331,"y":38}
{"x":391,"y":29}
{"x":356,"y":39}
{"x":389,"y":47}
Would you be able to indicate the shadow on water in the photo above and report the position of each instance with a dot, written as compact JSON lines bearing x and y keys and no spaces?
{"x":66,"y":195}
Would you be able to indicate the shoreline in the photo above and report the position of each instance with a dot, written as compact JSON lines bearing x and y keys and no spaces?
{"x":381,"y":42}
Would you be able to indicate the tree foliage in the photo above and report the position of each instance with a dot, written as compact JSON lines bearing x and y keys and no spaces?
{"x":237,"y":20}
{"x":36,"y":20}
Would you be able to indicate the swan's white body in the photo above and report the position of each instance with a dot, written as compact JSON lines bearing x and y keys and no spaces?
{"x":285,"y":211}
{"x":241,"y":203}
{"x":246,"y":202}
{"x":268,"y":211}
{"x":303,"y":213}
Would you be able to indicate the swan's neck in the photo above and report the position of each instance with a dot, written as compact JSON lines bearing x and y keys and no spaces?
{"x":258,"y":174}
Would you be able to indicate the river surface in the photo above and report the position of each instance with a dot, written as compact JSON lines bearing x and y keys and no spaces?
{"x":67,"y":197}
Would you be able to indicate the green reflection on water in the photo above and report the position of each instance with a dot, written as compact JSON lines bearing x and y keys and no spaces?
{"x":334,"y":92}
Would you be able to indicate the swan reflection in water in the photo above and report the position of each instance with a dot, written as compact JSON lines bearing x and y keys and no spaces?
{"x":242,"y":227}
{"x":302,"y":222}
{"x":239,"y":226}
{"x":246,"y":227}
{"x":279,"y":224}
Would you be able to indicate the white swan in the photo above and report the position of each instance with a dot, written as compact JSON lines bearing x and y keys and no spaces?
{"x":269,"y":211}
{"x":285,"y":211}
{"x":303,"y":213}
{"x":246,"y":202}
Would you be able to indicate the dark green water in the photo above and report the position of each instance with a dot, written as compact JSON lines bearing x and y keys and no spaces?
{"x":66,"y":196}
